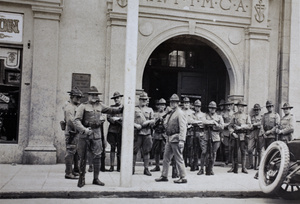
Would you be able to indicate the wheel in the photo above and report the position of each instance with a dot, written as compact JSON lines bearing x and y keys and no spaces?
{"x":289,"y":191}
{"x":274,"y":167}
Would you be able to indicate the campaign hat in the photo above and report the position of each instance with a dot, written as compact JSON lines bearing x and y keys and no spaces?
{"x":286,"y":106}
{"x":212,"y":104}
{"x":116,"y":95}
{"x":75,"y":92}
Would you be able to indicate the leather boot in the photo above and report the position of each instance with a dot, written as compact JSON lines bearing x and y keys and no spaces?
{"x":235,"y":169}
{"x":69,"y":172}
{"x":201,"y":171}
{"x":97,"y":165}
{"x":244,"y":170}
{"x":102,"y":163}
{"x":112,"y":161}
{"x":76,"y":164}
{"x":98,"y":182}
{"x":147,"y":172}
{"x":156,"y":168}
{"x":91,"y":168}
{"x":231,"y":170}
{"x":81,"y":180}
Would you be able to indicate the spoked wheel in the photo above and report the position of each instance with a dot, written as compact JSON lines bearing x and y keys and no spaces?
{"x":289,"y":191}
{"x":274,"y":167}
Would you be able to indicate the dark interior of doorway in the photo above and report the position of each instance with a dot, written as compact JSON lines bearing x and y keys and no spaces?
{"x":186,"y":65}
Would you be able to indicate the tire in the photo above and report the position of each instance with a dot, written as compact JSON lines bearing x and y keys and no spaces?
{"x":274,"y":167}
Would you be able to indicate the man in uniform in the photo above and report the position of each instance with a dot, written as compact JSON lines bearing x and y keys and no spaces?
{"x":143,"y":121}
{"x":71,"y":134}
{"x":216,"y":122}
{"x":256,"y":141}
{"x":270,"y":122}
{"x":88,"y":122}
{"x":159,"y":132}
{"x":227,"y":116}
{"x":176,"y":127}
{"x":114,"y":136}
{"x":239,"y":126}
{"x":286,"y":127}
{"x":198,"y":140}
{"x":221,"y":107}
{"x":188,"y":150}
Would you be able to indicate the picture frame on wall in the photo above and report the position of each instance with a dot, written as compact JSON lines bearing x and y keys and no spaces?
{"x":13,"y":78}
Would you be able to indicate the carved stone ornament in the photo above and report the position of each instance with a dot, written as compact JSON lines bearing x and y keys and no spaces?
{"x":235,"y":37}
{"x":146,"y":28}
{"x":260,"y":8}
{"x":122,"y":3}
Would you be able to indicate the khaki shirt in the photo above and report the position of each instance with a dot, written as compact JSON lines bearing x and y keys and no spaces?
{"x":189,"y":114}
{"x":115,"y":126}
{"x":159,"y":130}
{"x":270,"y":122}
{"x":69,"y":115}
{"x":176,"y":126}
{"x":240,"y":120}
{"x":227,"y":117}
{"x":199,"y":116}
{"x":256,"y":126}
{"x":141,"y":115}
{"x":287,"y":125}
{"x":215,"y":132}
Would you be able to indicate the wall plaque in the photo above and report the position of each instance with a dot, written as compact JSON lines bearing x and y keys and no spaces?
{"x":83,"y":82}
{"x":11,"y":27}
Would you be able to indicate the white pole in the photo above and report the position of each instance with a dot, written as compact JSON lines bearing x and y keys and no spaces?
{"x":129,"y":93}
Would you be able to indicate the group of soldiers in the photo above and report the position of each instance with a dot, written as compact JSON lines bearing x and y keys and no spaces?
{"x":182,"y":134}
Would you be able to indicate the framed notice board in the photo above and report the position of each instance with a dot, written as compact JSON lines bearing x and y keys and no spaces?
{"x":83,"y":82}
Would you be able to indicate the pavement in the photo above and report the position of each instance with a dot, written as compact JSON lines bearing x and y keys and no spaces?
{"x":47,"y":181}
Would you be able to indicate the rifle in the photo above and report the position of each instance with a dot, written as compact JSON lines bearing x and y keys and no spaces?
{"x":209,"y":151}
{"x":256,"y":154}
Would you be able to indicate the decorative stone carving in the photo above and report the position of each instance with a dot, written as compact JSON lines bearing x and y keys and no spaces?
{"x":122,"y":3}
{"x":235,"y":37}
{"x":146,"y":28}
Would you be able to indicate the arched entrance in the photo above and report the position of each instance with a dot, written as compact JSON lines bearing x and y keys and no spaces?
{"x":186,"y":65}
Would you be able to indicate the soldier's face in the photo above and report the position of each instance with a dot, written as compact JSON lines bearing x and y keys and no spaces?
{"x":94,"y":98}
{"x":161,"y":107}
{"x":117,"y":100}
{"x":287,"y":111}
{"x":269,"y":108}
{"x":173,"y":104}
{"x":76,"y":100}
{"x":212,"y":110}
{"x":256,"y":111}
{"x":197,"y":108}
{"x":240,"y":109}
{"x":228,"y":107}
{"x":143,"y":102}
{"x":186,"y":105}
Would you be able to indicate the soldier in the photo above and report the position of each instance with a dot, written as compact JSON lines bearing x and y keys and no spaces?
{"x":221,"y":107}
{"x":270,"y":122}
{"x":198,"y":140}
{"x":188,"y":150}
{"x":239,"y":126}
{"x":114,"y":136}
{"x":159,"y":132}
{"x":212,"y":119}
{"x":71,"y":134}
{"x":176,"y":127}
{"x":227,"y":116}
{"x":256,"y":141}
{"x":143,"y":121}
{"x":88,"y":121}
{"x":286,"y":127}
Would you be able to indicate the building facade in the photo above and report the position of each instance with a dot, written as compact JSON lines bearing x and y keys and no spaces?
{"x":208,"y":49}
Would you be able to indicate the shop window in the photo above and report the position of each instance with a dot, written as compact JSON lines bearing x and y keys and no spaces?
{"x":10,"y":81}
{"x":177,"y":59}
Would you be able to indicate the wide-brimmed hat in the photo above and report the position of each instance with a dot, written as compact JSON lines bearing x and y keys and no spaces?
{"x":241,"y":103}
{"x":269,"y":103}
{"x":197,"y":103}
{"x":228,"y":102}
{"x":186,"y":100}
{"x":75,"y":92}
{"x":286,"y":106}
{"x":256,"y":107}
{"x":116,"y":95}
{"x":161,"y":101}
{"x":222,"y":102}
{"x":93,"y":90}
{"x":174,"y":98}
{"x":212,"y":104}
{"x":143,"y":96}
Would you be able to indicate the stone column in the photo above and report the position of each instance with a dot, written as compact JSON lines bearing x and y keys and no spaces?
{"x":258,"y":60}
{"x":40,"y":149}
{"x":294,"y":64}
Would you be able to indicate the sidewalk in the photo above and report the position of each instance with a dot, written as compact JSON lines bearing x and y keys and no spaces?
{"x":47,"y":181}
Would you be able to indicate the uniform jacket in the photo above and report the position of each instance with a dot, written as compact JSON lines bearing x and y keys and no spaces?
{"x":69,"y":115}
{"x":142,"y":115}
{"x":215,"y":132}
{"x":199,"y":116}
{"x":190,"y":116}
{"x":287,"y":125}
{"x":256,"y":126}
{"x":89,"y":115}
{"x":270,"y":121}
{"x":176,"y":126}
{"x":115,"y":126}
{"x":240,"y":120}
{"x":227,"y":117}
{"x":159,"y":130}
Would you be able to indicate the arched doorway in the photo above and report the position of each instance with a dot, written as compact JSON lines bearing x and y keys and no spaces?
{"x":189,"y":66}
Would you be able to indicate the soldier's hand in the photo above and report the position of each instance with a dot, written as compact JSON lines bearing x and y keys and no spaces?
{"x":137,"y":126}
{"x":88,"y":131}
{"x":181,"y":146}
{"x":235,"y":135}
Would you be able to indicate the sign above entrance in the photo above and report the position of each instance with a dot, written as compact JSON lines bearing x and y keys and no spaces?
{"x":238,"y":7}
{"x":11,"y":27}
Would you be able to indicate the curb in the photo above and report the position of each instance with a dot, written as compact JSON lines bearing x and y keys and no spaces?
{"x":132,"y":194}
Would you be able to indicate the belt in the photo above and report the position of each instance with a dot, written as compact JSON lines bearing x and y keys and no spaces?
{"x":240,"y":131}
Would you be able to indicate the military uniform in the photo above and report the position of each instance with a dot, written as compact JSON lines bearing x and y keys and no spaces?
{"x":270,"y":122}
{"x":144,"y":116}
{"x":71,"y":134}
{"x":88,"y":123}
{"x":158,"y":135}
{"x":114,"y":135}
{"x":176,"y":127}
{"x":209,"y":119}
{"x":256,"y":140}
{"x":188,"y":148}
{"x":239,"y":127}
{"x":225,"y":134}
{"x":286,"y":127}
